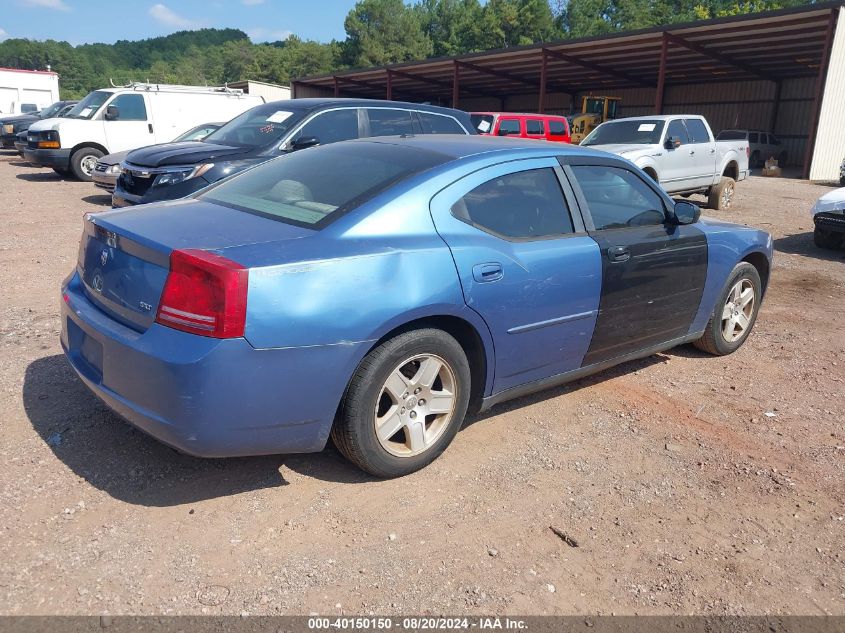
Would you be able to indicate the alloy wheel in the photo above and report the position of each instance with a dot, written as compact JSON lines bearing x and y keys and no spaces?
{"x":738,"y":310}
{"x":415,"y":405}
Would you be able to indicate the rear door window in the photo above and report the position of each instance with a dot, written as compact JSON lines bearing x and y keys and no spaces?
{"x":534,"y":126}
{"x":439,"y":124}
{"x":753,"y":137}
{"x":697,"y":131}
{"x":509,"y":127}
{"x":523,"y":205}
{"x":389,"y":122}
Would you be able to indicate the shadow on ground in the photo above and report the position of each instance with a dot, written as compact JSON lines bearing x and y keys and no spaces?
{"x":129,"y":465}
{"x":41,"y":176}
{"x":102,"y":199}
{"x":802,"y":244}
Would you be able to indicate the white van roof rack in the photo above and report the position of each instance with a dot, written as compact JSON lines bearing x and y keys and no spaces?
{"x":146,"y":86}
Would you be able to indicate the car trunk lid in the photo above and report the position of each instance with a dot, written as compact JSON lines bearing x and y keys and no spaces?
{"x":124,"y":255}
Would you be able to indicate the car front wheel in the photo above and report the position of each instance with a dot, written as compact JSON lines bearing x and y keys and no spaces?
{"x":404,"y":404}
{"x":735,"y":312}
{"x":82,"y":162}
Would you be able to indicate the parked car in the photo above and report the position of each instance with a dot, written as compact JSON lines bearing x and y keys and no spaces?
{"x":10,"y":127}
{"x":167,"y":172}
{"x":829,"y":219}
{"x":107,"y":168}
{"x":679,"y":152}
{"x":377,"y":289}
{"x":842,"y":173}
{"x":539,"y":126}
{"x":118,"y":119}
{"x":762,"y":145}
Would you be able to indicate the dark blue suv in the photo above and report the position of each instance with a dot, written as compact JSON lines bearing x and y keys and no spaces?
{"x":175,"y":170}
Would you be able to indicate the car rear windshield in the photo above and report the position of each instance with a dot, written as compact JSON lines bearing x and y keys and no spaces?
{"x":629,"y":132}
{"x":313,"y":187}
{"x":732,"y":135}
{"x":258,"y":127}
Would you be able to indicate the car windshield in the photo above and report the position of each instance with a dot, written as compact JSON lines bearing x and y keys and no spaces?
{"x":87,"y":108}
{"x":628,"y":132}
{"x":258,"y":127}
{"x":732,"y":135}
{"x":482,"y":122}
{"x":312,"y":187}
{"x":50,"y":111}
{"x":197,"y":133}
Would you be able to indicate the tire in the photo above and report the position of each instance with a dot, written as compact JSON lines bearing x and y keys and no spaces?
{"x":82,"y":162}
{"x":720,"y":338}
{"x":842,"y":181}
{"x":61,"y":171}
{"x":782,"y":158}
{"x":754,"y":161}
{"x":720,"y":196}
{"x":389,"y":379}
{"x":827,"y":239}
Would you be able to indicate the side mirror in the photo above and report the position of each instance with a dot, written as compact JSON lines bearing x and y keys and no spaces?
{"x":303,"y":142}
{"x":686,"y":212}
{"x":112,"y":113}
{"x":672,"y":142}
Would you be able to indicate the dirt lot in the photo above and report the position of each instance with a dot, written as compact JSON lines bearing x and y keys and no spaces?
{"x":690,"y":483}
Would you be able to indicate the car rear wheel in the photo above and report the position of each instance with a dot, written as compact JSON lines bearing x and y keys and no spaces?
{"x":735,"y":312}
{"x":720,"y":196}
{"x":83,"y":161}
{"x":404,"y":404}
{"x":61,"y":171}
{"x":827,"y":239}
{"x":755,"y":161}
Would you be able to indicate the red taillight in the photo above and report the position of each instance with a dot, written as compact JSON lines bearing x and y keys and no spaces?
{"x":748,"y":151}
{"x":204,"y":294}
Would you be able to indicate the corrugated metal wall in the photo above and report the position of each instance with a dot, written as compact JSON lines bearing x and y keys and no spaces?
{"x":830,"y":139}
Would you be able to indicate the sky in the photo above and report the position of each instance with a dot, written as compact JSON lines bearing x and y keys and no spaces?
{"x":87,"y":21}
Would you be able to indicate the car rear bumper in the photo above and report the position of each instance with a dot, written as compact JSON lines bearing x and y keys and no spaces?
{"x":58,"y":158}
{"x":203,"y":396}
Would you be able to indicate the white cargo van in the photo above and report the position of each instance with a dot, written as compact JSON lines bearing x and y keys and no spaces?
{"x":117,"y":119}
{"x":25,"y":91}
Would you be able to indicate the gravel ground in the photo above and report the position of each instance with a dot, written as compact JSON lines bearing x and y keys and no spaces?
{"x":684,"y":483}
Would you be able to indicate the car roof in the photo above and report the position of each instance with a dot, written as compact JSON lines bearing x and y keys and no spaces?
{"x":659,"y":117}
{"x":328,"y":102}
{"x":462,"y":145}
{"x":533,"y":115}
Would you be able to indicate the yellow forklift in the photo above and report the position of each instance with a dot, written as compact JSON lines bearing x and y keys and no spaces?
{"x":594,"y":111}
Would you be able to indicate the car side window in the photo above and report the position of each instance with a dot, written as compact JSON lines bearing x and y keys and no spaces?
{"x":534,"y":126}
{"x":130,"y":107}
{"x":697,"y":131}
{"x":332,"y":126}
{"x":387,"y":122}
{"x":676,"y":129}
{"x":753,"y":137}
{"x":439,"y":124}
{"x":557,"y":128}
{"x":508,"y":127}
{"x":522,"y":205}
{"x":618,"y":198}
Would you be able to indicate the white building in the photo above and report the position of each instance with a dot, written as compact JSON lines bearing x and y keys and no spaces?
{"x":27,"y":90}
{"x":270,"y":92}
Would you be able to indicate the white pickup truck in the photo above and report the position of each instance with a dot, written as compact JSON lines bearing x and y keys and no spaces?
{"x":678,"y":151}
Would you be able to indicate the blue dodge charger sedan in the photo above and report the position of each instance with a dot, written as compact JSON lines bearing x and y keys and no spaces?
{"x":375,"y":291}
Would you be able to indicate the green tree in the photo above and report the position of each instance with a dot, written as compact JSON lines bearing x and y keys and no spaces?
{"x":384,"y":32}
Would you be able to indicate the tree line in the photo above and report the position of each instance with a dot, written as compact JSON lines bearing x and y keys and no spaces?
{"x":378,"y":32}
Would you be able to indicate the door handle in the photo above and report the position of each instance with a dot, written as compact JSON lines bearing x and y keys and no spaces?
{"x":150,"y":127}
{"x":692,"y":152}
{"x":618,"y":254}
{"x":491,"y":271}
{"x":713,"y":150}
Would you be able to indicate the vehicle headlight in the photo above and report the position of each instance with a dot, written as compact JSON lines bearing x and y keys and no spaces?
{"x":114,"y":169}
{"x":9,"y":128}
{"x":175,"y":177}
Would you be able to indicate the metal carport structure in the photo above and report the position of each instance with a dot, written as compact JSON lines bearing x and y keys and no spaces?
{"x":780,"y":71}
